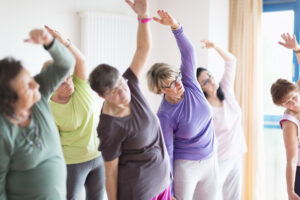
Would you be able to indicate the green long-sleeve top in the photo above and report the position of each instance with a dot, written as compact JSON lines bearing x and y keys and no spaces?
{"x":36,"y":171}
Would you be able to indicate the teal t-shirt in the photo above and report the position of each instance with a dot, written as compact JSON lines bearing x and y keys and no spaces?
{"x":77,"y":122}
{"x":37,"y":171}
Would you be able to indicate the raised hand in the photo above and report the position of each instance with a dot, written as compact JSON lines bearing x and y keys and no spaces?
{"x":57,"y":35}
{"x":39,"y":36}
{"x":140,"y":7}
{"x":207,"y":44}
{"x":166,"y":19}
{"x":289,"y":42}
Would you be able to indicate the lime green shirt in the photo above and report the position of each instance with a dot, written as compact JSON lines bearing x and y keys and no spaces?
{"x":77,"y":123}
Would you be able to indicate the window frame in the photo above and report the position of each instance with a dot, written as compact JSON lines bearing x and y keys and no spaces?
{"x":272,"y":121}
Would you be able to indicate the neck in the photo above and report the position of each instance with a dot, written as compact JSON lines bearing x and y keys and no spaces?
{"x":174,"y":100}
{"x":117,"y":110}
{"x":21,"y":117}
{"x":60,"y":99}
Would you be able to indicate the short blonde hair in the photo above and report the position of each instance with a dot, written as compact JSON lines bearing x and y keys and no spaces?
{"x":157,"y":74}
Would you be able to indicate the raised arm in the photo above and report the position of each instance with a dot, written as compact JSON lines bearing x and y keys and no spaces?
{"x":144,"y":40}
{"x":291,"y":148}
{"x":290,"y":42}
{"x":227,"y":81}
{"x":188,"y":58}
{"x":63,"y":61}
{"x":226,"y":55}
{"x":81,"y":68}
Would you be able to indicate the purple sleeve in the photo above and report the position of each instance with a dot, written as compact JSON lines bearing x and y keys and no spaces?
{"x":188,"y":57}
{"x":168,"y":133}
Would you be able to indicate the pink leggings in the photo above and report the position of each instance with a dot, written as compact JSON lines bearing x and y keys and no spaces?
{"x":164,"y":195}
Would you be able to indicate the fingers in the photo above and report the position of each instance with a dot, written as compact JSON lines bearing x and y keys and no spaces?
{"x":284,"y":37}
{"x":51,"y":31}
{"x":28,"y":41}
{"x":281,"y":43}
{"x":157,"y":20}
{"x":289,"y":36}
{"x":129,"y":3}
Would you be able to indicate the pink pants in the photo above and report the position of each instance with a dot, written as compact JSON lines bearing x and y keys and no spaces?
{"x":164,"y":195}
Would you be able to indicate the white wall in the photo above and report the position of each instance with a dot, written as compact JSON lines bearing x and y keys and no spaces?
{"x":201,"y":19}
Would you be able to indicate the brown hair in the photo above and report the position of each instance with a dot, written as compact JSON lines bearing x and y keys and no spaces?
{"x":103,"y":77}
{"x":9,"y":69}
{"x":280,"y":89}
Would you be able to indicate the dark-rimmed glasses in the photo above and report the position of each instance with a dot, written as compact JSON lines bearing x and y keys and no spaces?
{"x":121,"y":83}
{"x":173,"y":83}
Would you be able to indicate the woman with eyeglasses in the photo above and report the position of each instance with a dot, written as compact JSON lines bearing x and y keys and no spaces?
{"x":227,"y":120}
{"x":135,"y":158}
{"x":186,"y":121}
{"x":31,"y":159}
{"x":76,"y":108}
{"x":286,"y":94}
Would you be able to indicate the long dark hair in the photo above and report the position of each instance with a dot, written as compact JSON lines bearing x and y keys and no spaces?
{"x":9,"y":69}
{"x":220,"y":93}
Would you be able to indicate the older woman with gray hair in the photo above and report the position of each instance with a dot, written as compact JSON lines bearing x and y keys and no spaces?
{"x":135,"y":157}
{"x":186,"y":121}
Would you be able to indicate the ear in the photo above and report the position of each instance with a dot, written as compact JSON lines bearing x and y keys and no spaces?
{"x":101,"y":96}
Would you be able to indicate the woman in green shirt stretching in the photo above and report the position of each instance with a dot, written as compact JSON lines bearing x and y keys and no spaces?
{"x":31,"y":160}
{"x":76,"y":109}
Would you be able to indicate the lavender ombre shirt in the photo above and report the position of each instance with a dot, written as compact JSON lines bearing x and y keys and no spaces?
{"x":187,"y":125}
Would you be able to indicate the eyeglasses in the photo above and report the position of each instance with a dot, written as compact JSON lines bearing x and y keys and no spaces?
{"x":35,"y":141}
{"x":207,"y":80}
{"x":173,"y":83}
{"x":121,"y":83}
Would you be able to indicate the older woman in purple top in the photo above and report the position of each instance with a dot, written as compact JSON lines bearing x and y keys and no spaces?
{"x":186,"y":121}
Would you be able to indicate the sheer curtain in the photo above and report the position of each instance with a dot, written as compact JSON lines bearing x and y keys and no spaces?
{"x":245,"y":44}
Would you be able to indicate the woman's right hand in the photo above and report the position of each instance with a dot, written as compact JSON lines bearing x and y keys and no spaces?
{"x":166,"y":19}
{"x":294,"y":196}
{"x":289,"y":41}
{"x":39,"y":36}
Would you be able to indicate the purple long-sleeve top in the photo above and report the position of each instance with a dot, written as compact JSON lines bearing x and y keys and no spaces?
{"x":187,"y":125}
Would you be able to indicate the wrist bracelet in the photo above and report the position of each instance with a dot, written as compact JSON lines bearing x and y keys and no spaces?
{"x":145,"y":20}
{"x":298,"y":51}
{"x":69,"y":43}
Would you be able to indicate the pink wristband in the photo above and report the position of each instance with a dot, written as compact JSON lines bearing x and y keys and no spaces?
{"x":145,"y":20}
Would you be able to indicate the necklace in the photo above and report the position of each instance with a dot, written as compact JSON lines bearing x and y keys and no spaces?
{"x":35,"y":141}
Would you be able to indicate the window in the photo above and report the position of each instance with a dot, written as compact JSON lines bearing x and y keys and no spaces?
{"x":280,"y":16}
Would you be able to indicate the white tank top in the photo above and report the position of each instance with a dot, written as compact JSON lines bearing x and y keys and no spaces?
{"x":287,"y":117}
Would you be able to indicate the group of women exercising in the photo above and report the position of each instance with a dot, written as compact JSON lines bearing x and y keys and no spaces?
{"x":56,"y":137}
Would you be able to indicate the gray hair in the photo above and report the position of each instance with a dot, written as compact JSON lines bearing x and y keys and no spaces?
{"x":157,"y":74}
{"x":103,"y":77}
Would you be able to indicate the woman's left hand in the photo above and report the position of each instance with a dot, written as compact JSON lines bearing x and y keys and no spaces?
{"x":289,"y":41}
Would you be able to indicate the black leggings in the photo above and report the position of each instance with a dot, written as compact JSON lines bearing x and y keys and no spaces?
{"x":297,"y":181}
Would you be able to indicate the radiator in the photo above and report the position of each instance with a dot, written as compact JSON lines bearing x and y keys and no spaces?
{"x":108,"y":38}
